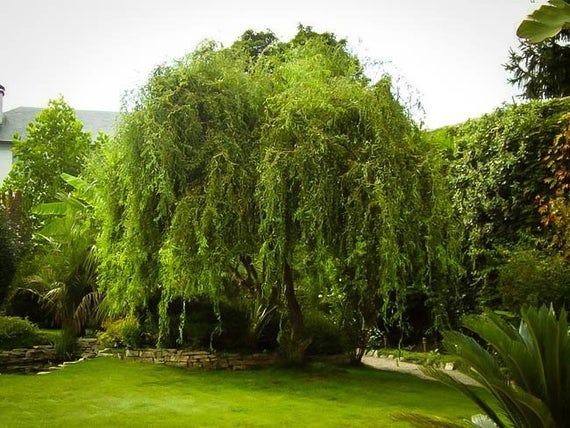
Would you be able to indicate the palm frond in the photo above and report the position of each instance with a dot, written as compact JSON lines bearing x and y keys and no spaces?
{"x":467,"y":391}
{"x":527,"y":371}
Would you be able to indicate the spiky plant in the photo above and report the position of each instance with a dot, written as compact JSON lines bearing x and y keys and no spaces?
{"x":525,"y":370}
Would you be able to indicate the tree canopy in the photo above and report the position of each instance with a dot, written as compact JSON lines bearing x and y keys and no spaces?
{"x":281,"y":176}
{"x":55,"y":143}
{"x":541,"y":70}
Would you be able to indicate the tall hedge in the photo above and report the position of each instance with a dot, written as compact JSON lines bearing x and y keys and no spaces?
{"x":500,"y":175}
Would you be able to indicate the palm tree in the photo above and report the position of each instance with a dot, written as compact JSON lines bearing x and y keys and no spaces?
{"x":67,"y":277}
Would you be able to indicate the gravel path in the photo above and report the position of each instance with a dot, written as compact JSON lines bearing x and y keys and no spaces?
{"x":391,"y":364}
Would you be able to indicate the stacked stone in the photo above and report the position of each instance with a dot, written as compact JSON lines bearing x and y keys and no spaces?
{"x":87,"y":347}
{"x":200,"y":359}
{"x":27,"y":360}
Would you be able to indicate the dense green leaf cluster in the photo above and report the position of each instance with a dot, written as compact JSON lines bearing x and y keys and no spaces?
{"x":526,"y":369}
{"x":55,"y":143}
{"x":546,"y":21}
{"x":279,"y":174}
{"x":66,"y":269}
{"x":18,"y":333}
{"x":498,"y":173}
{"x":7,"y":257}
{"x":532,"y":277}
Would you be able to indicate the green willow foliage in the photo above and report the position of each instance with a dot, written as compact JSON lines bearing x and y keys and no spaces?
{"x":278,"y":175}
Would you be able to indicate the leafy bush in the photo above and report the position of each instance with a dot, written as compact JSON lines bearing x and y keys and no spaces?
{"x":328,"y":339}
{"x":50,"y":336}
{"x":120,"y":333}
{"x":7,"y":257}
{"x":533,"y":277}
{"x":17,"y":332}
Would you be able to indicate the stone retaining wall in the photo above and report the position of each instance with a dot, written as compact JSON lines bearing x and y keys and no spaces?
{"x":27,"y":359}
{"x":38,"y":358}
{"x":200,"y":359}
{"x":87,"y":347}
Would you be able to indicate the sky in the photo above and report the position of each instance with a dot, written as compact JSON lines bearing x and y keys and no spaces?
{"x":447,"y":53}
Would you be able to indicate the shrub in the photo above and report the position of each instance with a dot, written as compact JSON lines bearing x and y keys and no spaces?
{"x":17,"y":332}
{"x":499,"y":172}
{"x":124,"y":332}
{"x":49,"y":337}
{"x":7,"y":257}
{"x":533,"y":277}
{"x":328,"y":339}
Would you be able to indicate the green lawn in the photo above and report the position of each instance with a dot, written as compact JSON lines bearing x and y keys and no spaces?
{"x":114,"y":393}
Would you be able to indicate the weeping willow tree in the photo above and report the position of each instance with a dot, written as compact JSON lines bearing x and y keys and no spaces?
{"x":350,"y":196}
{"x":273,"y":177}
{"x":181,"y":221}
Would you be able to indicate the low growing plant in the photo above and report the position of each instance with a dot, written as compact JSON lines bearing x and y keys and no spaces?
{"x":121,"y":333}
{"x":66,"y":345}
{"x":18,"y":332}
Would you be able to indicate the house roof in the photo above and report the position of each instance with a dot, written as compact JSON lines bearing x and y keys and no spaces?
{"x":17,"y":120}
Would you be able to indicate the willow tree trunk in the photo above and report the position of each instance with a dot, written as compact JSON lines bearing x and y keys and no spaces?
{"x":297,"y":343}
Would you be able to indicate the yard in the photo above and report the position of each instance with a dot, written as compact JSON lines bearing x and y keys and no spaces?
{"x":283,"y":194}
{"x":109,"y":392}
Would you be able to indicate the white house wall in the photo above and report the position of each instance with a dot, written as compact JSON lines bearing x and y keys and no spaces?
{"x":5,"y":160}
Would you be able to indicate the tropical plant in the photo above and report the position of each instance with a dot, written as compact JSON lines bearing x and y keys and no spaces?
{"x":67,"y":278}
{"x":546,"y":21}
{"x":526,"y":370}
{"x":541,"y":65}
{"x":54,"y":144}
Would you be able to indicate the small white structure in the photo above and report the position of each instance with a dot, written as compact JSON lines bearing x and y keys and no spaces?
{"x":16,"y":121}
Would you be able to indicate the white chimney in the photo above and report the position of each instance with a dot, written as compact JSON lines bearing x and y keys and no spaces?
{"x":2,"y":90}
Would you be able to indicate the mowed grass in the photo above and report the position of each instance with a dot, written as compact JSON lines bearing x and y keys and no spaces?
{"x":113,"y":393}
